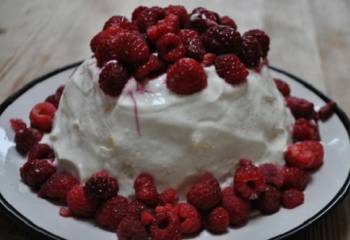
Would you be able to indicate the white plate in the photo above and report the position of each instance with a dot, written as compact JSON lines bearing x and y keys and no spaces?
{"x":329,"y":185}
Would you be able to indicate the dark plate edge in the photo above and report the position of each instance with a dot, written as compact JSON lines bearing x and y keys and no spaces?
{"x":18,"y":217}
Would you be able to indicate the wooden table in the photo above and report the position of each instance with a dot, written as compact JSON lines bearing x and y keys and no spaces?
{"x":309,"y":38}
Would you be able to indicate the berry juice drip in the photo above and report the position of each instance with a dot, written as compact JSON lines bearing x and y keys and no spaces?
{"x":136,"y":113}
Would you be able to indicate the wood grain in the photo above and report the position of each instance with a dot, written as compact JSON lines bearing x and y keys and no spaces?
{"x":309,"y":38}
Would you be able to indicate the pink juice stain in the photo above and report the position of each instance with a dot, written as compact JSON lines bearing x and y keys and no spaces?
{"x":136,"y":113}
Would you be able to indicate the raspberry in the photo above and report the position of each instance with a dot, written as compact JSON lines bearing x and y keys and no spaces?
{"x":149,"y":17}
{"x":41,"y":151}
{"x":17,"y":124}
{"x":201,"y":19}
{"x":190,"y":219}
{"x":165,"y":227}
{"x":131,"y":228}
{"x":170,"y":47}
{"x":273,"y":174}
{"x":55,"y":98}
{"x":230,"y":68}
{"x":292,"y":198}
{"x":327,"y":111}
{"x":251,"y":51}
{"x":101,"y":186}
{"x":41,"y":116}
{"x":282,"y":87}
{"x":147,"y":218}
{"x":205,"y":193}
{"x":135,"y":14}
{"x":300,"y":108}
{"x":35,"y":172}
{"x":306,"y":155}
{"x":249,"y":181}
{"x":269,"y":200}
{"x":222,"y":39}
{"x":57,"y":186}
{"x":227,"y":21}
{"x":111,"y":213}
{"x":186,"y":77}
{"x":237,"y":208}
{"x":145,"y":189}
{"x":113,"y":78}
{"x":65,"y":212}
{"x":135,"y":207}
{"x":170,"y":24}
{"x":119,"y":22}
{"x":166,"y":208}
{"x":295,"y":178}
{"x":179,"y":11}
{"x":305,"y":130}
{"x":263,"y":39}
{"x":195,"y":49}
{"x":187,"y":35}
{"x":218,"y":220}
{"x":25,"y":139}
{"x":168,"y":196}
{"x":79,"y":203}
{"x":208,"y":59}
{"x":152,"y":68}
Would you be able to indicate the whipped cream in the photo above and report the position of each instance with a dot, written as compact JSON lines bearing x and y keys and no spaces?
{"x":174,"y":138}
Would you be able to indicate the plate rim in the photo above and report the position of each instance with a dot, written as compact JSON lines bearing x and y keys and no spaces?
{"x":16,"y":216}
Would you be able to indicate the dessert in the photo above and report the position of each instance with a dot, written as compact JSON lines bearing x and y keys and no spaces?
{"x":173,"y":125}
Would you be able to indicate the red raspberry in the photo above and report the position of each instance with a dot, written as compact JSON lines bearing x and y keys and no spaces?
{"x":119,"y":22}
{"x":145,"y":189}
{"x":165,"y":227}
{"x":295,"y":178}
{"x":41,"y":151}
{"x":17,"y":124}
{"x":57,"y":186}
{"x":327,"y":111}
{"x":273,"y":174}
{"x":111,"y":213}
{"x":249,"y":181}
{"x":237,"y":208}
{"x":55,"y":98}
{"x":168,"y":196}
{"x":152,"y":68}
{"x":221,"y":39}
{"x":306,"y":155}
{"x":170,"y":24}
{"x":113,"y":78}
{"x":305,"y":130}
{"x":195,"y":49}
{"x":41,"y":116}
{"x":170,"y":47}
{"x":230,"y":68}
{"x":180,"y":11}
{"x":79,"y":203}
{"x":186,"y":77}
{"x":208,"y":59}
{"x":300,"y":108}
{"x":218,"y":220}
{"x":292,"y":198}
{"x":201,"y":19}
{"x":227,"y":21}
{"x":251,"y":51}
{"x":190,"y":219}
{"x":269,"y":200}
{"x":35,"y":172}
{"x":135,"y":207}
{"x":147,"y":218}
{"x":263,"y":39}
{"x":205,"y":193}
{"x":25,"y":139}
{"x":166,"y":208}
{"x":282,"y":87}
{"x":149,"y":17}
{"x":101,"y":186}
{"x":135,"y":14}
{"x":131,"y":228}
{"x":187,"y":35}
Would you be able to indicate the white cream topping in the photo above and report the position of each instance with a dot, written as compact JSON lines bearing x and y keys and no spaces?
{"x":172,"y":137}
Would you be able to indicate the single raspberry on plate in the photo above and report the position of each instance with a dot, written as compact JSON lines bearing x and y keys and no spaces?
{"x":170,"y":47}
{"x":237,"y":208}
{"x":327,"y":111}
{"x":218,"y":220}
{"x":165,"y":227}
{"x":221,"y":39}
{"x":41,"y":116}
{"x":186,"y":77}
{"x":170,"y":24}
{"x":152,"y":68}
{"x":190,"y":218}
{"x":113,"y":78}
{"x":135,"y":14}
{"x":208,"y":59}
{"x":292,"y":198}
{"x":306,"y":155}
{"x":131,"y":227}
{"x":119,"y":22}
{"x":295,"y":178}
{"x":79,"y":203}
{"x":17,"y":124}
{"x":230,"y":68}
{"x":41,"y":151}
{"x":249,"y":181}
{"x":169,"y":195}
{"x":263,"y":39}
{"x":201,"y":19}
{"x":57,"y":186}
{"x":35,"y":172}
{"x":300,"y":107}
{"x":269,"y":200}
{"x":282,"y":87}
{"x":273,"y":174}
{"x":146,"y":190}
{"x":195,"y":49}
{"x":180,"y":11}
{"x":250,"y":53}
{"x":148,"y":17}
{"x":26,"y":138}
{"x":135,"y":207}
{"x":227,"y":21}
{"x":101,"y":186}
{"x":111,"y":213}
{"x":304,"y":129}
{"x":187,"y":35}
{"x":205,"y":193}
